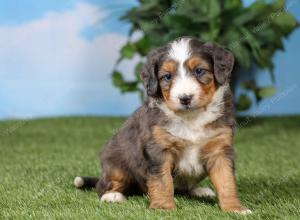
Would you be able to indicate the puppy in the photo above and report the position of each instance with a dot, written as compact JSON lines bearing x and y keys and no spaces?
{"x":183,"y":132}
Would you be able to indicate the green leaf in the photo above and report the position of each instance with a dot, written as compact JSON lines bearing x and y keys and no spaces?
{"x":267,"y":37}
{"x":213,"y":32}
{"x":243,"y":103}
{"x":278,"y":4}
{"x":118,"y":79}
{"x":148,"y":5}
{"x":251,"y":40}
{"x":232,"y":4}
{"x":213,"y":8}
{"x":143,"y":46}
{"x":242,"y":55}
{"x":265,"y":92}
{"x":249,"y":85}
{"x":272,"y":75}
{"x":266,"y":59}
{"x":231,"y":38}
{"x":285,"y":22}
{"x":149,"y":26}
{"x":258,"y":13}
{"x":203,"y":10}
{"x":128,"y":51}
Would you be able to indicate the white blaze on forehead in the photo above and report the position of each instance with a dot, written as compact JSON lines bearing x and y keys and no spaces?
{"x":180,"y":50}
{"x":184,"y":84}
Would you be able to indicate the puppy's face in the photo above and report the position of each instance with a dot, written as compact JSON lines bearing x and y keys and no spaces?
{"x":186,"y":73}
{"x":186,"y":80}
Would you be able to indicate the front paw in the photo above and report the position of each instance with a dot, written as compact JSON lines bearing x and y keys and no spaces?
{"x":163,"y":205}
{"x":238,"y":209}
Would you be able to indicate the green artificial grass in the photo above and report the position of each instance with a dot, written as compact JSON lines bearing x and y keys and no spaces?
{"x":40,"y":158}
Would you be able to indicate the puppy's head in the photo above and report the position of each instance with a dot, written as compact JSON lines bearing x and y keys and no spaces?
{"x":186,"y":73}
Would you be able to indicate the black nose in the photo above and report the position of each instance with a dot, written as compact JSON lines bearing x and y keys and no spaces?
{"x":186,"y":99}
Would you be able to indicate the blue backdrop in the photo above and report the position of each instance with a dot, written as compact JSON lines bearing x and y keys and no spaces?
{"x":56,"y":58}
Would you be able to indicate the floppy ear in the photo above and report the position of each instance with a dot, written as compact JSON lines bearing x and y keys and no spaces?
{"x":149,"y":74}
{"x":223,"y":61}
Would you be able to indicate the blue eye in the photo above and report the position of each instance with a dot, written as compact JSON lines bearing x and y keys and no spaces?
{"x":199,"y":72}
{"x":167,"y":77}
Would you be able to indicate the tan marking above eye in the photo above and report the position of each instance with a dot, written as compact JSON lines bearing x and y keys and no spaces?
{"x":195,"y":62}
{"x":168,"y":66}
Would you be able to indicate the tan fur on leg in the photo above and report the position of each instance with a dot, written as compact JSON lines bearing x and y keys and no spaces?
{"x":161,"y":189}
{"x":218,"y":155}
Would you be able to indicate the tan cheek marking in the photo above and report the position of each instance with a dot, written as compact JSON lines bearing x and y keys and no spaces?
{"x":166,"y":90}
{"x":167,"y":96}
{"x":209,"y":90}
{"x":170,"y":67}
{"x":210,"y":87}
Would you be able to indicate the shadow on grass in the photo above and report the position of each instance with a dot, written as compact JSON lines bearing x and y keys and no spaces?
{"x":205,"y":200}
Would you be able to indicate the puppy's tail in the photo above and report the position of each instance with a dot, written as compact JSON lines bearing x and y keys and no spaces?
{"x":85,"y":182}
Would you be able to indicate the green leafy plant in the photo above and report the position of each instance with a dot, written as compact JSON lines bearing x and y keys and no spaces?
{"x":252,"y":33}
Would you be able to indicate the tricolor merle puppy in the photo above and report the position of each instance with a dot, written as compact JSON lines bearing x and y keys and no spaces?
{"x":183,"y":132}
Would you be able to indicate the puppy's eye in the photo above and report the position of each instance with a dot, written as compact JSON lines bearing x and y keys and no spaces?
{"x":167,"y":77}
{"x":199,"y":71}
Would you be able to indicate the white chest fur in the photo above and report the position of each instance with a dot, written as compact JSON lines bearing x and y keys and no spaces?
{"x":189,"y":164}
{"x":191,"y":127}
{"x":192,"y":130}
